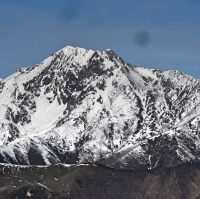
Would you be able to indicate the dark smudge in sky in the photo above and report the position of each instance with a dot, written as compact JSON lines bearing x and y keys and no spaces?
{"x":142,"y":38}
{"x":70,"y":11}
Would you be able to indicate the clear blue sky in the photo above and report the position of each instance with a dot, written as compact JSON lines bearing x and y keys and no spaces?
{"x":162,"y":34}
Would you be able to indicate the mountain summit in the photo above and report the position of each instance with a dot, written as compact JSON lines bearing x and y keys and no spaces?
{"x":85,"y":106}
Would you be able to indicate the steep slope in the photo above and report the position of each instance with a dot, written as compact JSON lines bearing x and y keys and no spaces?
{"x":82,"y":106}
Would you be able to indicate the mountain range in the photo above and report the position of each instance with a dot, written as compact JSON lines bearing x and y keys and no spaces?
{"x":82,"y":106}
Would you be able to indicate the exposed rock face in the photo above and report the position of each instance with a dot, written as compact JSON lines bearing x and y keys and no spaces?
{"x":82,"y":106}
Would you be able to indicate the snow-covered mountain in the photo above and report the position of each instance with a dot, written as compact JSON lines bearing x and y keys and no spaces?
{"x":85,"y":106}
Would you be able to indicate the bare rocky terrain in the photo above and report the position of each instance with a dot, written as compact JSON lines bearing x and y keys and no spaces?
{"x":99,"y":182}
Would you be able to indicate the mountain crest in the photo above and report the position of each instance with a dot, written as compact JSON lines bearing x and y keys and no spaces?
{"x":85,"y":106}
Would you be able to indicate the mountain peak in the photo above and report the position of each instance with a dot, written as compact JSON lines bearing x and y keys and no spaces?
{"x":89,"y":106}
{"x":73,"y":50}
